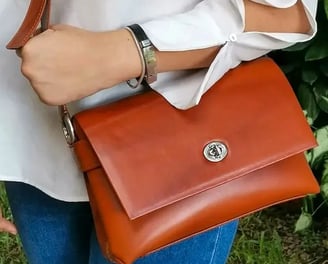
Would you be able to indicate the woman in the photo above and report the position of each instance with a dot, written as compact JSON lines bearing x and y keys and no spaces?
{"x":65,"y":64}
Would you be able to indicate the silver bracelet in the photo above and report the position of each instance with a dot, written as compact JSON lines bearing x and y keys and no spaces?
{"x":147,"y":53}
{"x":143,"y":66}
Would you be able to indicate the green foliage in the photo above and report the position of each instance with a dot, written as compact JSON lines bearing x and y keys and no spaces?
{"x":257,"y":243}
{"x":10,"y":246}
{"x":303,"y":222}
{"x":266,"y":248}
{"x":324,"y":181}
{"x":306,"y":67}
{"x":268,"y":237}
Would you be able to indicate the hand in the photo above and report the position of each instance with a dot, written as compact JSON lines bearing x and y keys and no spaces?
{"x":66,"y":63}
{"x":7,"y":226}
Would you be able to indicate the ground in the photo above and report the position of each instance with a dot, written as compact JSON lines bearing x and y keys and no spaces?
{"x":269,"y":238}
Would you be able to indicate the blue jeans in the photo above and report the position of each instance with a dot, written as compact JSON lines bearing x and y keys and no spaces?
{"x":57,"y":232}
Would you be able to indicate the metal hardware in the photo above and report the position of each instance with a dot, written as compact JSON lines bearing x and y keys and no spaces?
{"x":147,"y":52}
{"x":67,"y":124}
{"x":150,"y":62}
{"x":215,"y":151}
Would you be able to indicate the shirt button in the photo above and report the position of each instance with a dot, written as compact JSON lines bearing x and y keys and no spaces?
{"x":233,"y":37}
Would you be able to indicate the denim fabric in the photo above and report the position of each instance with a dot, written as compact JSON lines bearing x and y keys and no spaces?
{"x":57,"y":232}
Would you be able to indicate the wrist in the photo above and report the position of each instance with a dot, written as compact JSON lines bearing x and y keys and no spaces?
{"x":147,"y":56}
{"x":120,"y":57}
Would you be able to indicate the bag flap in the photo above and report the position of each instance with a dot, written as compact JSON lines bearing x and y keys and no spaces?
{"x":153,"y":153}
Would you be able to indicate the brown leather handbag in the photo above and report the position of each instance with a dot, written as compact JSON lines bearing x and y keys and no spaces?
{"x":157,"y":175}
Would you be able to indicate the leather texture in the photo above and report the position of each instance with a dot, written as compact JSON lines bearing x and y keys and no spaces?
{"x":148,"y":181}
{"x":144,"y":142}
{"x":38,"y":10}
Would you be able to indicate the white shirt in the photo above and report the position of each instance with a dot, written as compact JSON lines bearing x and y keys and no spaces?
{"x":32,"y":147}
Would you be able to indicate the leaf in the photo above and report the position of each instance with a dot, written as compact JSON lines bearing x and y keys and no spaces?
{"x":321,"y":94}
{"x":309,"y":156}
{"x":324,"y":191}
{"x":298,"y":47}
{"x":307,"y":100}
{"x":318,"y":51}
{"x":324,"y":179}
{"x":324,"y":67}
{"x":288,"y":68}
{"x":309,"y":76}
{"x":319,"y":153}
{"x":326,"y":7}
{"x":312,"y":196}
{"x":303,"y":222}
{"x":308,"y":119}
{"x":324,"y":103}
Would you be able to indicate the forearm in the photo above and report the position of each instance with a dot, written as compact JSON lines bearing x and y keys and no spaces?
{"x":258,"y":17}
{"x":269,"y":19}
{"x":60,"y":74}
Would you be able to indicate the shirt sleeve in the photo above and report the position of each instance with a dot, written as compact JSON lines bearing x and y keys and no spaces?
{"x":216,"y":23}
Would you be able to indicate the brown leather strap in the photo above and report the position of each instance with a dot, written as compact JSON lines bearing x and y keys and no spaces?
{"x":37,"y":12}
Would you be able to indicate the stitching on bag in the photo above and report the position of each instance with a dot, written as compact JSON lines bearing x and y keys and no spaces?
{"x":36,"y":21}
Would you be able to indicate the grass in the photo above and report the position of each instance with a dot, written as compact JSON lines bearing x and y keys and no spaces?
{"x":269,"y":238}
{"x":254,"y":246}
{"x":10,"y":246}
{"x":262,"y":238}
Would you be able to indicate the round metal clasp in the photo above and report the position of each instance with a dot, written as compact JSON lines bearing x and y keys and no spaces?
{"x":67,"y":125}
{"x":215,"y":151}
{"x":68,"y":130}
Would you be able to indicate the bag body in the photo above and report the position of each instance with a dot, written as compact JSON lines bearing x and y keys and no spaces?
{"x":150,"y":183}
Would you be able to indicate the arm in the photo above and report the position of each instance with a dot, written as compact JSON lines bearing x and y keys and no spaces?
{"x":270,"y":19}
{"x":258,"y":18}
{"x":101,"y":60}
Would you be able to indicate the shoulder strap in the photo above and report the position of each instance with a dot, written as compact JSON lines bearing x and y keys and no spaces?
{"x":37,"y":12}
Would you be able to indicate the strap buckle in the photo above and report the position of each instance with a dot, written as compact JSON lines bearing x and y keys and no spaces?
{"x":67,"y":125}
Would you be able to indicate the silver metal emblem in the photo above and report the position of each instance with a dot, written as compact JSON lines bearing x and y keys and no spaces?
{"x":215,"y":151}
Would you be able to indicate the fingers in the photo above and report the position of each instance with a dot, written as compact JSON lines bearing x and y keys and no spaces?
{"x":7,"y":226}
{"x":37,"y":32}
{"x":19,"y":51}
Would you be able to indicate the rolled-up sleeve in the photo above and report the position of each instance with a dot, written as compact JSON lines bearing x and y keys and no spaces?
{"x":216,"y":23}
